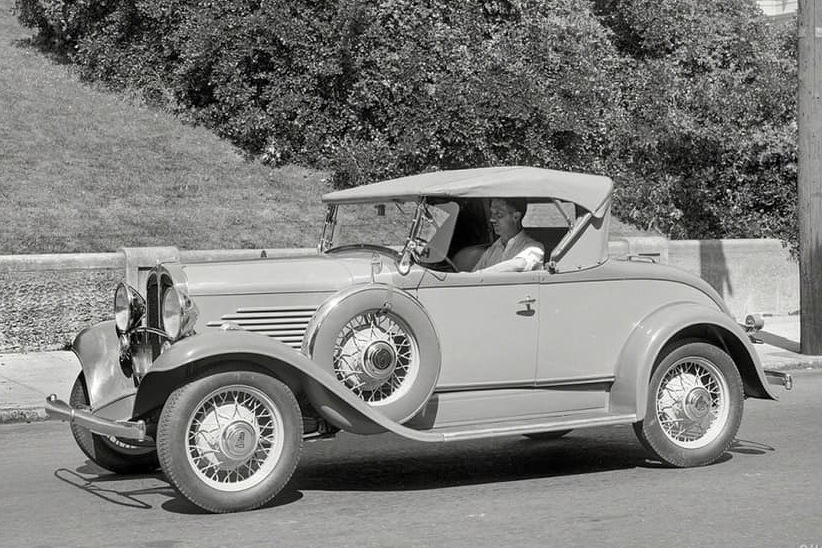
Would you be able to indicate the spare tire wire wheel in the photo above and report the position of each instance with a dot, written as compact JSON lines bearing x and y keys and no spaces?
{"x":376,"y":356}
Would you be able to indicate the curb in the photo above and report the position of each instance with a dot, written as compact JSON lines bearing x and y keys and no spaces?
{"x":24,"y":414}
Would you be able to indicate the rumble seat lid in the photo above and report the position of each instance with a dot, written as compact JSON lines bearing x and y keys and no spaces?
{"x":589,"y":191}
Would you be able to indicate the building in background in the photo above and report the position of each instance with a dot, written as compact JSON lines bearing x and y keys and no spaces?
{"x":779,"y":9}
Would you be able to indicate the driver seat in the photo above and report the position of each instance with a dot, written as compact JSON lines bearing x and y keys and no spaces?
{"x":467,"y":257}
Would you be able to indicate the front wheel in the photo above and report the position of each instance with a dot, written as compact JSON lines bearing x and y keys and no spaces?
{"x":230,"y":441}
{"x":113,"y":454}
{"x":694,"y":406}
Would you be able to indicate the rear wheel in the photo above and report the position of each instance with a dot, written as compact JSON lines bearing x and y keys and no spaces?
{"x":694,"y":406}
{"x":113,"y":454}
{"x":230,"y":441}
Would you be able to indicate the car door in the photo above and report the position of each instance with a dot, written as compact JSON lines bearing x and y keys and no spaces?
{"x":578,"y":338}
{"x":487,"y":325}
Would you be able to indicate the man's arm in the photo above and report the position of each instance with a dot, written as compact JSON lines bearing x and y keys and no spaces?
{"x":527,"y":259}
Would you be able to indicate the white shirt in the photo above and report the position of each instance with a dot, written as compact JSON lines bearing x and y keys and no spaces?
{"x":521,"y":246}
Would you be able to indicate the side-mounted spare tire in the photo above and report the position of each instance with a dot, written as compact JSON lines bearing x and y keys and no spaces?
{"x":379,"y":342}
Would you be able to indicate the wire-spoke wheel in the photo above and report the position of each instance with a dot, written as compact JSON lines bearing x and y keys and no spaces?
{"x":694,"y":406}
{"x":113,"y":454}
{"x":376,"y":356}
{"x":230,"y":441}
{"x":380,"y":344}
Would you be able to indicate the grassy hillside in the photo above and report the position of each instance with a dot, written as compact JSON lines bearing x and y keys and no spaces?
{"x":85,"y":170}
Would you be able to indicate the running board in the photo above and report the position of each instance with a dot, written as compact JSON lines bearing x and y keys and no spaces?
{"x":514,"y":427}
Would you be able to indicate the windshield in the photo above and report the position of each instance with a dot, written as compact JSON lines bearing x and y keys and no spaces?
{"x":384,"y":225}
{"x":388,"y":225}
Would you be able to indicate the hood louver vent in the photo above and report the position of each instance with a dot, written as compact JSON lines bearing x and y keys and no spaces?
{"x":284,"y":323}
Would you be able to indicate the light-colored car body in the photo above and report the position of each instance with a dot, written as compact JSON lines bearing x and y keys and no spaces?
{"x":444,"y":353}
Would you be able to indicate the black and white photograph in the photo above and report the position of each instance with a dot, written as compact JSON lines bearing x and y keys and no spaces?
{"x":410,"y":273}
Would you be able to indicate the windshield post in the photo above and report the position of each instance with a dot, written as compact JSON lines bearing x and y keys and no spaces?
{"x":327,"y":238}
{"x":407,"y":253}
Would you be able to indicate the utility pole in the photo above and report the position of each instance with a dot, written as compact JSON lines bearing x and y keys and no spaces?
{"x":810,"y":176}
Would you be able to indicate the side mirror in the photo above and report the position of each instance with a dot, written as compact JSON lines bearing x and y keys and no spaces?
{"x":406,"y":258}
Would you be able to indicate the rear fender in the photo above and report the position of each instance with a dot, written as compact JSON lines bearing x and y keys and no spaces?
{"x":677,"y":321}
{"x":201,"y":355}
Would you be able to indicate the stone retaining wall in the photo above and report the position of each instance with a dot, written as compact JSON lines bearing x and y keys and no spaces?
{"x":43,"y":310}
{"x":46,"y":299}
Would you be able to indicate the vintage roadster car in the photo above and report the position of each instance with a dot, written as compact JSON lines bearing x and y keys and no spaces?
{"x":218,"y":371}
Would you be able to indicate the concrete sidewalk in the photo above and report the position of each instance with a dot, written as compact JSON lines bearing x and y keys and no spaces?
{"x":26,"y":379}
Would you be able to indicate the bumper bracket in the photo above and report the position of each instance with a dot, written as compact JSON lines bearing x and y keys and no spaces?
{"x":780,"y":378}
{"x":132,"y":430}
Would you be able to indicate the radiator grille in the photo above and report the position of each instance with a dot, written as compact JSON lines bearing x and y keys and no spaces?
{"x":284,"y":323}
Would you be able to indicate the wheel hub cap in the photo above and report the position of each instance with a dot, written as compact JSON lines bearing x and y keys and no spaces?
{"x":238,"y":440}
{"x":379,"y":360}
{"x":697,"y":403}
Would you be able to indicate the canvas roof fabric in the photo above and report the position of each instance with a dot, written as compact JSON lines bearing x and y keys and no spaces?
{"x":592,"y":192}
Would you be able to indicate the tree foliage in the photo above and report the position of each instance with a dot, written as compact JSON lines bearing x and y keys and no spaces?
{"x":688,"y":105}
{"x":713,"y":114}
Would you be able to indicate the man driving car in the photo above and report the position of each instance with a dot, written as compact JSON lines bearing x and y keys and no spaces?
{"x":513,"y":250}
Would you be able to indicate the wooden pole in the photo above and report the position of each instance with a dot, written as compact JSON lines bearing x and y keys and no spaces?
{"x":810,"y":176}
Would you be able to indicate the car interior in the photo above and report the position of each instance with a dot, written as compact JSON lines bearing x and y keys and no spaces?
{"x":546,"y":222}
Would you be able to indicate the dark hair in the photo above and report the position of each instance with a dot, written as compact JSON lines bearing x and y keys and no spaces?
{"x":518,"y":204}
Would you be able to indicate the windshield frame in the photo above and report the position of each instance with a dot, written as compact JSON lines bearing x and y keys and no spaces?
{"x":411,"y":247}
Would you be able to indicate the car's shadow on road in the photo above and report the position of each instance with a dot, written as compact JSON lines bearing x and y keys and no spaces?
{"x":747,"y":447}
{"x":111,"y":488}
{"x":392,"y":464}
{"x":106,"y":486}
{"x":408,"y":466}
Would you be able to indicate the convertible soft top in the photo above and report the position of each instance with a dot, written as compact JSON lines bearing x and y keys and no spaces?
{"x":589,"y":191}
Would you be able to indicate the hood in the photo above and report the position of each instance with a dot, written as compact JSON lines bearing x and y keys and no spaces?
{"x":286,"y":275}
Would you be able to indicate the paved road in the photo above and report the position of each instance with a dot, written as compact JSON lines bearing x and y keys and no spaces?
{"x":593,"y":488}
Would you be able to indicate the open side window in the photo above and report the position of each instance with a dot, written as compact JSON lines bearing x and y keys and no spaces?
{"x":548,"y":222}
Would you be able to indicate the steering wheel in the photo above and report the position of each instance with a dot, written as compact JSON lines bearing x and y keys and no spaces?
{"x":448,"y":262}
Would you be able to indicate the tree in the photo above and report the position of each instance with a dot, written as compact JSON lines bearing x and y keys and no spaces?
{"x":689,"y":105}
{"x":712,"y":104}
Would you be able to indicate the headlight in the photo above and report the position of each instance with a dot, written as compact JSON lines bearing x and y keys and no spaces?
{"x":179,"y":313}
{"x":129,"y":308}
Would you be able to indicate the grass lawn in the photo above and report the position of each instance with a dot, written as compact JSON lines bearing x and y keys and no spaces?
{"x":85,"y":170}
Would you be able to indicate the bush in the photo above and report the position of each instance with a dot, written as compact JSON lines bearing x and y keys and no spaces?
{"x":689,"y":105}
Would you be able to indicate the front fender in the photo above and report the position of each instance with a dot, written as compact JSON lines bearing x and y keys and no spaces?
{"x":199,"y":355}
{"x":667,"y":324}
{"x":110,"y":389}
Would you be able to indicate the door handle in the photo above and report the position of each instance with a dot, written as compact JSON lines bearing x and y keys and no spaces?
{"x":527,"y":302}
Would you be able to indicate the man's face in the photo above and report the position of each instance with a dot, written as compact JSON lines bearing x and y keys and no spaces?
{"x":504,"y":219}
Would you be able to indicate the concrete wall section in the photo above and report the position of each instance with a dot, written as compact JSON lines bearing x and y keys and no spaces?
{"x":753,"y":276}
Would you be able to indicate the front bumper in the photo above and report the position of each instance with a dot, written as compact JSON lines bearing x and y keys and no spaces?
{"x":779,"y":377}
{"x":132,"y":430}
